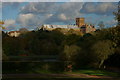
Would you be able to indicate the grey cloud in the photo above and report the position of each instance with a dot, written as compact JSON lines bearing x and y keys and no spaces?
{"x":66,"y":13}
{"x":39,"y":8}
{"x":9,"y":24}
{"x":48,"y":13}
{"x":11,"y":4}
{"x":111,"y":22}
{"x":28,"y":20}
{"x":31,"y":20}
{"x":71,"y":10}
{"x":105,"y":8}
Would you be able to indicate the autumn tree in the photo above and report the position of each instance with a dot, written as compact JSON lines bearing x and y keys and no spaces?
{"x":1,"y":24}
{"x":102,"y":50}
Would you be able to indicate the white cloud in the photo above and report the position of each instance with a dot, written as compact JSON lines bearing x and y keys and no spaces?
{"x":36,"y":14}
{"x":23,"y":18}
{"x":111,"y":22}
{"x":99,"y":8}
{"x":39,"y":8}
{"x":9,"y":23}
{"x":49,"y":15}
{"x":53,"y":12}
{"x":66,"y":13}
{"x":27,"y":20}
{"x":62,"y":16}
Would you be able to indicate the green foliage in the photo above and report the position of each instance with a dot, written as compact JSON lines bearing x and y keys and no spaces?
{"x":71,"y":39}
{"x":102,"y":50}
{"x":70,"y":52}
{"x":101,"y":25}
{"x":86,"y":50}
{"x":117,"y":14}
{"x":11,"y":45}
{"x":32,"y":67}
{"x":4,"y":56}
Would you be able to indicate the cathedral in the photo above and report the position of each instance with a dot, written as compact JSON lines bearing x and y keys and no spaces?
{"x":79,"y":26}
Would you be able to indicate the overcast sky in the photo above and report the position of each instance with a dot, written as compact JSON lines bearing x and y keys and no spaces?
{"x":33,"y":14}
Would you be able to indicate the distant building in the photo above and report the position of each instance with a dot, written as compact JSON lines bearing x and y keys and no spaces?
{"x":14,"y":33}
{"x":87,"y":28}
{"x":84,"y":28}
{"x":80,"y":26}
{"x":53,"y":27}
{"x":80,"y":22}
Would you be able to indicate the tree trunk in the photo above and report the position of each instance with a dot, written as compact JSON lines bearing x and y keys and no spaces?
{"x":101,"y":63}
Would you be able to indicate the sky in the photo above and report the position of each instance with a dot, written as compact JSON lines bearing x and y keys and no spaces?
{"x":30,"y":15}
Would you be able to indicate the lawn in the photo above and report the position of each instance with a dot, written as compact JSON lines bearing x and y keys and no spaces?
{"x":96,"y":72}
{"x":88,"y":74}
{"x":53,"y":70}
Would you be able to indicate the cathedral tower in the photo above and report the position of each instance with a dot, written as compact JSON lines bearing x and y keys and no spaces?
{"x":80,"y":21}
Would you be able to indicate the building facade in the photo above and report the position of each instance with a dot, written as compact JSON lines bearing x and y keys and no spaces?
{"x":80,"y":26}
{"x":14,"y":33}
{"x":80,"y":22}
{"x":53,"y":27}
{"x":87,"y":28}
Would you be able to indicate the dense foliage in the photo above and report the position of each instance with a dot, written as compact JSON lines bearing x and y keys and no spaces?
{"x":91,"y":49}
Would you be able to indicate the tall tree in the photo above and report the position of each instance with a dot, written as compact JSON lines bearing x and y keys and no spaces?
{"x":23,"y":30}
{"x":101,"y":51}
{"x":117,"y":14}
{"x":101,"y":25}
{"x":69,"y":55}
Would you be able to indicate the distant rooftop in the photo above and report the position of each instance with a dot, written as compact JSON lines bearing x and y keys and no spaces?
{"x":61,"y":26}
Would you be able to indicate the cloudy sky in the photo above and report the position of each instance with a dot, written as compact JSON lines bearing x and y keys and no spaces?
{"x":33,"y":14}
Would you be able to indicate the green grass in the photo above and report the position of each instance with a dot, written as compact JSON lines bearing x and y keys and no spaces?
{"x":86,"y":71}
{"x":43,"y":71}
{"x":97,"y":72}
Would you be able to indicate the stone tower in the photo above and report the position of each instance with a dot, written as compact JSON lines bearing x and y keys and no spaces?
{"x":80,"y":21}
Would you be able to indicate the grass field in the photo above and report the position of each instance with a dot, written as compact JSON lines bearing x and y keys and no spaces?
{"x":49,"y":71}
{"x":97,"y":72}
{"x":88,"y":74}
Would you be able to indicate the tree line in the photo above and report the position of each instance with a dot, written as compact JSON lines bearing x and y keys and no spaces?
{"x":91,"y":49}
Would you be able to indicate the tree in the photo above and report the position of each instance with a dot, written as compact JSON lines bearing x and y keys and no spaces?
{"x":23,"y":30}
{"x":101,"y":51}
{"x":11,"y":46}
{"x":101,"y":25}
{"x":4,"y":56}
{"x":117,"y":14}
{"x":71,"y":39}
{"x":69,"y":54}
{"x":1,"y":24}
